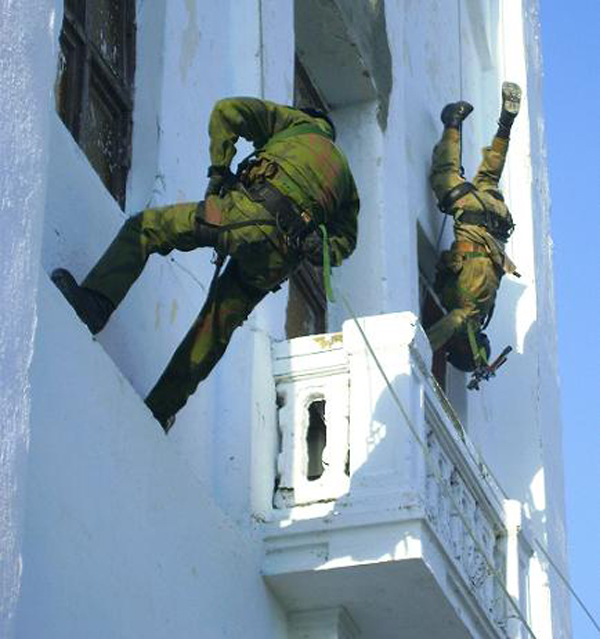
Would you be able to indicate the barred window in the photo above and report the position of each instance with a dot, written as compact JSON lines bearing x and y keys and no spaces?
{"x":307,"y":302}
{"x":94,"y":87}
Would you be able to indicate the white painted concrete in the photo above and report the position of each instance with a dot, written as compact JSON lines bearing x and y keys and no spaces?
{"x":27,"y":40}
{"x":121,"y":538}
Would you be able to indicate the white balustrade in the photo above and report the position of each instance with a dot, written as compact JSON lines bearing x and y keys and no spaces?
{"x":345,"y":443}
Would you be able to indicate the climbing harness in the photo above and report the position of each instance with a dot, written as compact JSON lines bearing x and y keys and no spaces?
{"x":326,"y":264}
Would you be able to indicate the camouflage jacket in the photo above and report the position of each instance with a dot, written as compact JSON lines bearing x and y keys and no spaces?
{"x":308,"y":167}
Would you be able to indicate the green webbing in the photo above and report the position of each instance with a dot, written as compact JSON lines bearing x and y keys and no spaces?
{"x":479,"y":354}
{"x":326,"y":264}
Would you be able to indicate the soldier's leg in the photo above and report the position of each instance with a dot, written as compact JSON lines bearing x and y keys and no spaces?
{"x":445,"y":165}
{"x":494,"y":156}
{"x":444,"y":329}
{"x":492,"y":164}
{"x":228,"y":306}
{"x":158,"y":230}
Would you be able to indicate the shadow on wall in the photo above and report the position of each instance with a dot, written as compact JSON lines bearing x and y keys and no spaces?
{"x":344,"y":47}
{"x":505,"y":427}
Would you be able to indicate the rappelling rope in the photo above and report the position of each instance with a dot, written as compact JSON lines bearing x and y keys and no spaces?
{"x":432,"y":467}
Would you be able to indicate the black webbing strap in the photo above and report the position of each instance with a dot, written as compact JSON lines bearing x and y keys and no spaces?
{"x":498,"y":226}
{"x":239,"y":225}
{"x":288,"y":217}
{"x":453,"y":195}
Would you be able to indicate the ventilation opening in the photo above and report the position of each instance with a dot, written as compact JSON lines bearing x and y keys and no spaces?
{"x":316,"y":439}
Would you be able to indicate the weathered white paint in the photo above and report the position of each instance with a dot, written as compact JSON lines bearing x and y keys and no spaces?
{"x":332,"y":623}
{"x":121,"y":537}
{"x":407,"y":475}
{"x":27,"y":40}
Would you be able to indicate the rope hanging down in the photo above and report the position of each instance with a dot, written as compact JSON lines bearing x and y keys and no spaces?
{"x":486,"y":476}
{"x":491,"y":569}
{"x":447,"y":493}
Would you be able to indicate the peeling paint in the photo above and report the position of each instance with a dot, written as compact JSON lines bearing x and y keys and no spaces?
{"x":190,"y":40}
{"x":328,"y":341}
{"x":157,"y":316}
{"x":174,"y":310}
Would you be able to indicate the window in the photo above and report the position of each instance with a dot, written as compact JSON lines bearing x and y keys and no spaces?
{"x":307,"y":302}
{"x":94,"y":87}
{"x":316,"y":439}
{"x":429,"y":304}
{"x":431,"y":312}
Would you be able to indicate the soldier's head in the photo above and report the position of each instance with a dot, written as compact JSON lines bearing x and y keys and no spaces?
{"x":318,"y":113}
{"x":460,"y":353}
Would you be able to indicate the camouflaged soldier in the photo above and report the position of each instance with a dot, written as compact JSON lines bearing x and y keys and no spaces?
{"x":296,"y":190}
{"x":469,"y":274}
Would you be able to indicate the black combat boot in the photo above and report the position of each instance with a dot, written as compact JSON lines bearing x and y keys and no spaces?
{"x":511,"y":102}
{"x":93,"y":308}
{"x":454,"y":113}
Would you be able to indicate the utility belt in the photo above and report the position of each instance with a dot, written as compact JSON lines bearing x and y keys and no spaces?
{"x":292,"y":222}
{"x":469,"y":249}
{"x":498,"y":226}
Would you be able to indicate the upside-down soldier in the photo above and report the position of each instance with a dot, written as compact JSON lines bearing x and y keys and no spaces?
{"x":468,"y":275}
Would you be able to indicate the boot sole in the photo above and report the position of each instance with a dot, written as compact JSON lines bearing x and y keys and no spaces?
{"x":511,"y":97}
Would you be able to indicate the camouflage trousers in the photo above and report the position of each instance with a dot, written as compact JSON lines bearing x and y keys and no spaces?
{"x":446,"y":169}
{"x":466,"y":283}
{"x":259,"y":262}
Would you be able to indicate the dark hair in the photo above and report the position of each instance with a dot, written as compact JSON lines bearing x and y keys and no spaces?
{"x":460,"y":353}
{"x":318,"y":113}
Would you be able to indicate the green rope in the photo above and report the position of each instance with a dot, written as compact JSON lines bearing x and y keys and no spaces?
{"x":479,"y":354}
{"x":326,"y":264}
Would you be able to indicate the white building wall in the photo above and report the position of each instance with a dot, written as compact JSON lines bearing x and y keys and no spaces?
{"x":27,"y":40}
{"x":131,"y":534}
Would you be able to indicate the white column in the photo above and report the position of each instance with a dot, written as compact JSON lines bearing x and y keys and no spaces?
{"x":331,"y":623}
{"x":382,"y":448}
{"x":27,"y":70}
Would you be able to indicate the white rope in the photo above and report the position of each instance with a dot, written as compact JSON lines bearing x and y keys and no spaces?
{"x":568,"y":585}
{"x":491,"y":569}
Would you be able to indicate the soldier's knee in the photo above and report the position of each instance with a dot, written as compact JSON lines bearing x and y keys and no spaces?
{"x":134,"y":222}
{"x":206,"y":234}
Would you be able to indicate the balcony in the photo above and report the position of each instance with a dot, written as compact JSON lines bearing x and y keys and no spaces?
{"x":365,"y":539}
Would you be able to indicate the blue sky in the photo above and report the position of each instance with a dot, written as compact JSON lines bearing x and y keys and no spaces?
{"x":571,"y":49}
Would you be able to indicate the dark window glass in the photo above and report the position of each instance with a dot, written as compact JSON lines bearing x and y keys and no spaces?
{"x":316,"y":439}
{"x":307,"y":302}
{"x":431,"y":312}
{"x":94,"y":88}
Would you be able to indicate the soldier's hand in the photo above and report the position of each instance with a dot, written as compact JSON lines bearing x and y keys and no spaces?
{"x":219,"y":179}
{"x":312,"y":248}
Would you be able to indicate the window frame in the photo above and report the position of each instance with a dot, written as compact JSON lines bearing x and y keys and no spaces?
{"x":307,"y":300}
{"x":84,"y":71}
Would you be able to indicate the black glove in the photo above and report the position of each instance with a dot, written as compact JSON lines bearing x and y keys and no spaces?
{"x":312,"y":248}
{"x":220,"y":179}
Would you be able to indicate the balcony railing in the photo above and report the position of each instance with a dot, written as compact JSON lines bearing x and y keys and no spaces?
{"x":361,"y":507}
